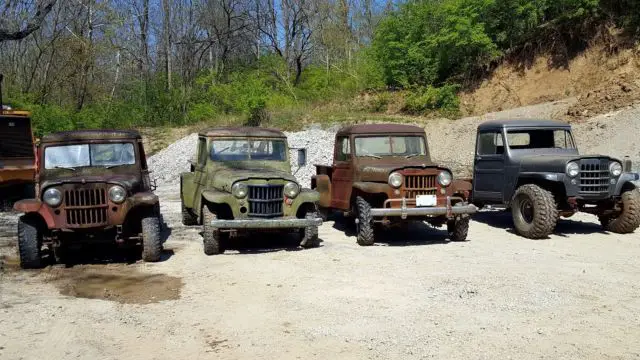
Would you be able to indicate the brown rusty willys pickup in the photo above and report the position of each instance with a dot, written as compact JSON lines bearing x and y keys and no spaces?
{"x":383,"y":174}
{"x":91,"y":185}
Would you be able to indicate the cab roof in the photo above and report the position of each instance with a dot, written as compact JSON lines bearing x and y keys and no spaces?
{"x":528,"y":123}
{"x":242,"y":131}
{"x":379,"y":129}
{"x":84,"y":135}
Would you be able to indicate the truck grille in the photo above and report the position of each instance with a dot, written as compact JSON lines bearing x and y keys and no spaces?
{"x":86,"y":207}
{"x":419,"y":185}
{"x":266,"y":200}
{"x":594,"y":176}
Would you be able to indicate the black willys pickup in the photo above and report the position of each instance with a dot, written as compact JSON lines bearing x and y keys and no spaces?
{"x":534,"y":168}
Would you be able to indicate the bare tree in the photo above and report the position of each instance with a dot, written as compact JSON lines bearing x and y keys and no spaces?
{"x":43,"y":8}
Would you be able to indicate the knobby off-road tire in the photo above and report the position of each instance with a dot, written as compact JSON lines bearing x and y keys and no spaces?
{"x":29,"y":243}
{"x":214,"y":240}
{"x":365,"y":223}
{"x":310,"y":233}
{"x":629,"y":219}
{"x":534,"y":212}
{"x":458,"y":229}
{"x":151,"y":238}
{"x":188,"y":219}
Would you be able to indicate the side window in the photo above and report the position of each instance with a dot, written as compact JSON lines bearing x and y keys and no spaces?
{"x":344,"y":149}
{"x":202,"y":151}
{"x":490,"y":143}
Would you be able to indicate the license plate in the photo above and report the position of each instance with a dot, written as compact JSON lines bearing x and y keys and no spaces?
{"x":426,"y":200}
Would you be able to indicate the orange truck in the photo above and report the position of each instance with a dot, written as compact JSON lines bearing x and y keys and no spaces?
{"x":17,"y":154}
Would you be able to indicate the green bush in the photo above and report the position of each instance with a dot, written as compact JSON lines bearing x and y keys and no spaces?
{"x":379,"y":102}
{"x":443,"y":99}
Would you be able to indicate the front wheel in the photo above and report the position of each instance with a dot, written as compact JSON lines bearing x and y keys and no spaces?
{"x":534,"y":212}
{"x":310,"y":233}
{"x":458,"y":228}
{"x":628,"y":220}
{"x":151,"y":238}
{"x":365,"y":223}
{"x":29,"y":243}
{"x":214,"y":240}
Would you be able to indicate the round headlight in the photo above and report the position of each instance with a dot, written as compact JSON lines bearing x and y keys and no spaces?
{"x":573,"y":169}
{"x":117,"y":194}
{"x":444,"y":178}
{"x":240,"y":190}
{"x":395,"y":180}
{"x":615,"y":168}
{"x":52,"y":197}
{"x":291,"y":190}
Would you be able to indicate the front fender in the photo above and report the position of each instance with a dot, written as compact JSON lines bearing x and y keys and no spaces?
{"x":144,"y":199}
{"x":372,"y":187}
{"x":218,"y":197}
{"x":626,"y":181}
{"x":35,"y":206}
{"x":308,"y":196}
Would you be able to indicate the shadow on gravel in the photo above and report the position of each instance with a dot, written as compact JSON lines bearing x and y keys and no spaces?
{"x":261,"y":243}
{"x":415,"y":234}
{"x":102,"y":254}
{"x":502,"y":220}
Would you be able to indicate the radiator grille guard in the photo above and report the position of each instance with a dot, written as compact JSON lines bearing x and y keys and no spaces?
{"x":419,"y":185}
{"x":266,"y":201}
{"x":86,"y":207}
{"x":594,"y":176}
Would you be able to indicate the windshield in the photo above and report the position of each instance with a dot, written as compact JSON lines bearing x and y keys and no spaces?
{"x":85,"y":155}
{"x":390,"y":146}
{"x":540,"y":139}
{"x":244,"y":149}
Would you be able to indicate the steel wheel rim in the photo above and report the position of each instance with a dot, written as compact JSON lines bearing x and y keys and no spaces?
{"x":526,"y":210}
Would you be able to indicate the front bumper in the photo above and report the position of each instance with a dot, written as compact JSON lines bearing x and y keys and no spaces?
{"x":403,"y":211}
{"x":277,"y":223}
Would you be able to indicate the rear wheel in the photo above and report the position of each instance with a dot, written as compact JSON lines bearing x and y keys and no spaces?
{"x":29,"y":243}
{"x":365,"y":231}
{"x":188,"y":219}
{"x":628,"y":220}
{"x":534,"y":212}
{"x":151,"y":238}
{"x":214,"y":240}
{"x":310,"y":233}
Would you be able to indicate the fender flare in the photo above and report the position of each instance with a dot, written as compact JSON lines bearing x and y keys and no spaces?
{"x":217,"y":197}
{"x":323,"y":187}
{"x":627,"y":181}
{"x":34,"y":207}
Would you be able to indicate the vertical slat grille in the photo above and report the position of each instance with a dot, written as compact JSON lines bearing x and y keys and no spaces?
{"x":419,"y":185}
{"x":86,"y":206}
{"x":266,"y":200}
{"x":594,"y":176}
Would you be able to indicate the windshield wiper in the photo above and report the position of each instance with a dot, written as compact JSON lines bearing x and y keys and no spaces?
{"x":113,"y":166}
{"x":410,"y":156}
{"x":373,"y":156}
{"x":65,"y":167}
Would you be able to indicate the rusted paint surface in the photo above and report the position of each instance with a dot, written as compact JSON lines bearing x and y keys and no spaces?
{"x":22,"y":168}
{"x":323,"y":186}
{"x":85,"y":191}
{"x":369,"y":175}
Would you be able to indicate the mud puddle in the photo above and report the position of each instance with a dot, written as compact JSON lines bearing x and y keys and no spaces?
{"x":123,"y":284}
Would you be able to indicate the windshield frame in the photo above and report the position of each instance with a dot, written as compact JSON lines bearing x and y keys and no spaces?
{"x":509,"y":146}
{"x":250,"y":139}
{"x":44,"y":147}
{"x":355,"y":153}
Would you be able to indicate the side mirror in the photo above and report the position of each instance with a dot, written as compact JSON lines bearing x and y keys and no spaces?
{"x":302,"y":157}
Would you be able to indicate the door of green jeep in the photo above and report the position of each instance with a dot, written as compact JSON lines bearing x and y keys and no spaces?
{"x":200,"y":173}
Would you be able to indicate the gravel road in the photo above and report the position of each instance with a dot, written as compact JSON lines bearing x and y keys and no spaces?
{"x":498,"y":296}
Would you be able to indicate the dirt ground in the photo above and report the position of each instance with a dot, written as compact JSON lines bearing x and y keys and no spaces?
{"x":413,"y":296}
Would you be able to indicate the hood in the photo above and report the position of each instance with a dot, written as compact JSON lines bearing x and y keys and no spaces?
{"x":552,"y":163}
{"x":226,"y":176}
{"x":379,"y":171}
{"x":127,"y":181}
